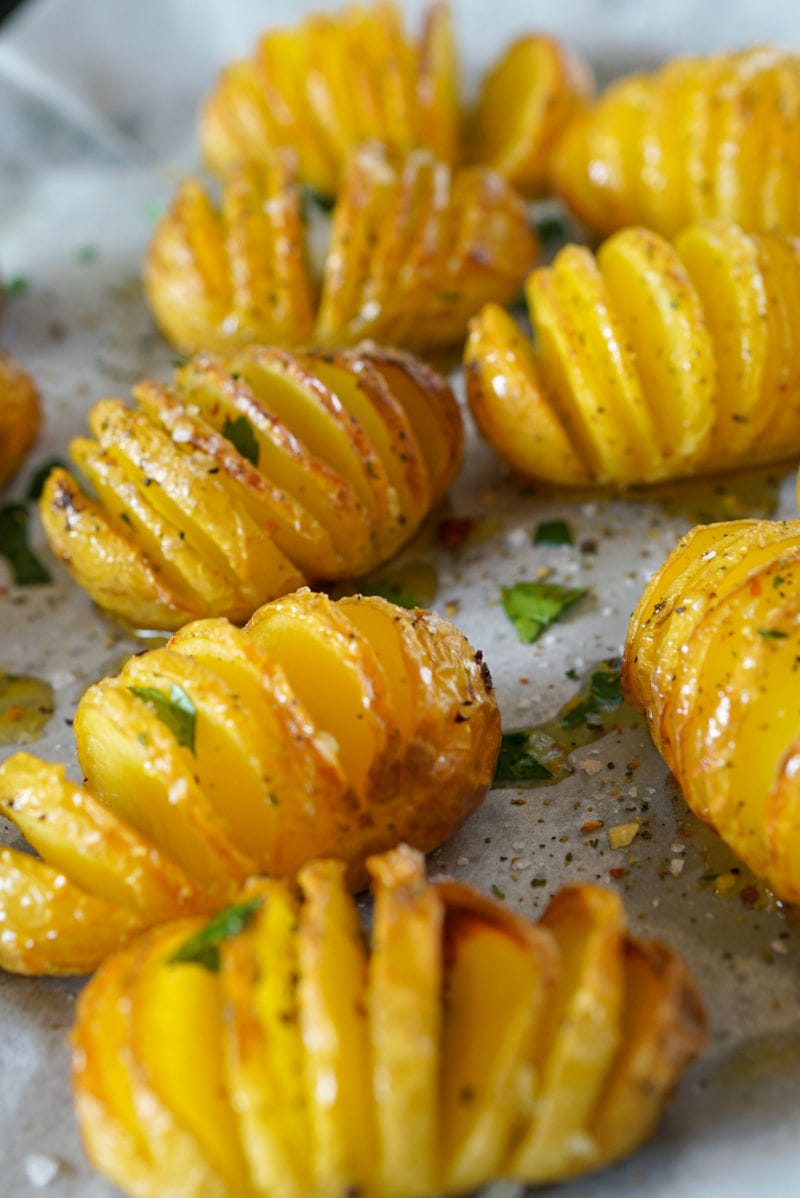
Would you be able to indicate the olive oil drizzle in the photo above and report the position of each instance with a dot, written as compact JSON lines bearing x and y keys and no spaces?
{"x":26,"y":707}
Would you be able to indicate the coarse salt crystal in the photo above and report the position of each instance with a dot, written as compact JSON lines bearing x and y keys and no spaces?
{"x":40,"y":1170}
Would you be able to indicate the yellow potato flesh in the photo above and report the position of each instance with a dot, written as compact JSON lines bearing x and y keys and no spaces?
{"x":74,"y":833}
{"x":780,"y":263}
{"x":378,"y":624}
{"x":663,"y":320}
{"x":494,"y":982}
{"x":514,"y":410}
{"x":135,"y":766}
{"x":439,"y":106}
{"x":20,"y":415}
{"x":666,"y":149}
{"x":777,"y":185}
{"x":582,"y":1033}
{"x":236,"y":121}
{"x":263,"y":1045}
{"x":332,"y":994}
{"x":404,"y":1012}
{"x":176,"y":1033}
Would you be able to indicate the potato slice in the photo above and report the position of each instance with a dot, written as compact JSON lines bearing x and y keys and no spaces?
{"x":264,"y":1047}
{"x":405,"y":1024}
{"x":99,"y":853}
{"x":582,"y":1033}
{"x":236,"y":120}
{"x":664,"y":1029}
{"x":332,"y":994}
{"x":780,"y":264}
{"x":49,"y":925}
{"x":499,"y":977}
{"x":135,"y":766}
{"x":20,"y":414}
{"x":438,"y":85}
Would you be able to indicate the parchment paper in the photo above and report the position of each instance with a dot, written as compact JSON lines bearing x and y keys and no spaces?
{"x":97,"y":104}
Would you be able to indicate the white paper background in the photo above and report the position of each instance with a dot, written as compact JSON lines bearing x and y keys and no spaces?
{"x":97,"y":104}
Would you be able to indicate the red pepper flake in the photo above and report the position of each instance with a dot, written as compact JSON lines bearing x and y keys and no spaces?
{"x":12,"y":715}
{"x":618,"y":872}
{"x":749,"y":895}
{"x":453,"y":531}
{"x":591,"y":825}
{"x":633,"y":765}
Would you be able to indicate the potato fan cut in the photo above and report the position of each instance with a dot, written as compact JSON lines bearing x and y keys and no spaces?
{"x":415,"y":249}
{"x":711,"y":658}
{"x":250,"y":475}
{"x":651,"y":360}
{"x":712,"y":137}
{"x":321,"y":729}
{"x":270,"y":1053}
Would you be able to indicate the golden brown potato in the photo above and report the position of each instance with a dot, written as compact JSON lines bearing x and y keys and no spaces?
{"x":526,"y":101}
{"x":249,"y":475}
{"x":651,"y":361}
{"x":20,"y":416}
{"x":321,"y":729}
{"x":711,"y":659}
{"x":415,"y":250}
{"x":700,"y":138}
{"x":271,"y":1053}
{"x":331,"y":83}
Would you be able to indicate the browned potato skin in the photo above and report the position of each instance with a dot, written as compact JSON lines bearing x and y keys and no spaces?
{"x":378,"y":1024}
{"x":433,"y":733}
{"x":146,"y":549}
{"x":709,"y":659}
{"x":20,"y":416}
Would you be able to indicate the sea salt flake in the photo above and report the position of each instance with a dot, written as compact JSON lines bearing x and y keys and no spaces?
{"x":40,"y":1170}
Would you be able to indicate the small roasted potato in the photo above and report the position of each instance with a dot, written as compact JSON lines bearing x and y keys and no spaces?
{"x":526,"y":101}
{"x":703,"y":137}
{"x":321,"y":729}
{"x":651,"y":361}
{"x":711,"y":659}
{"x":20,"y":416}
{"x":415,"y":250}
{"x":331,"y":83}
{"x":281,"y":1055}
{"x":249,"y":475}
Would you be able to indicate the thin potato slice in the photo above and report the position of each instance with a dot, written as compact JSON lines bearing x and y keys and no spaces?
{"x":20,"y":414}
{"x":438,"y":84}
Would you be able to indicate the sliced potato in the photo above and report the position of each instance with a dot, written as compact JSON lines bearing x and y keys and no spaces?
{"x":20,"y":415}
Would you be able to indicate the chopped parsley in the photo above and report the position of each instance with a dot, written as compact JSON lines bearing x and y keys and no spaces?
{"x":516,"y":762}
{"x":40,"y":476}
{"x":773,"y":634}
{"x":553,"y":532}
{"x":203,"y":947}
{"x":178,"y":711}
{"x":605,"y":691}
{"x":391,"y":591}
{"x":241,"y":435}
{"x":534,"y":606}
{"x":26,"y":568}
{"x":17,"y":285}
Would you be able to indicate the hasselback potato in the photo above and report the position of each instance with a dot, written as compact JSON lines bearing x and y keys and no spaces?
{"x":250,"y":474}
{"x":321,"y":729}
{"x":651,"y":360}
{"x":415,"y":249}
{"x":20,"y":416}
{"x":711,"y":659}
{"x":699,"y":138}
{"x":329,"y":84}
{"x":270,"y":1053}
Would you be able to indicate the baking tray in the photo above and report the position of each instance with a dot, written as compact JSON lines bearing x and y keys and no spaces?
{"x":97,"y":103}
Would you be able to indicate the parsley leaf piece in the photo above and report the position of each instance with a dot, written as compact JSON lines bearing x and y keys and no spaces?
{"x":553,"y":532}
{"x":605,"y":691}
{"x":40,"y":476}
{"x":534,"y":606}
{"x":178,"y":711}
{"x":773,"y":634}
{"x":15,"y":286}
{"x":26,"y":569}
{"x":241,"y":435}
{"x":516,"y":763}
{"x":393,"y":592}
{"x":203,"y":947}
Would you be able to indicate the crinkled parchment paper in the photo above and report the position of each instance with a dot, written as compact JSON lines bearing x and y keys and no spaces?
{"x":97,"y":104}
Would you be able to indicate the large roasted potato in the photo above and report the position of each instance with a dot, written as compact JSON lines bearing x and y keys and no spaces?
{"x":711,"y":659}
{"x":331,"y":83}
{"x":20,"y":416}
{"x":271,"y":1053}
{"x":415,"y":250}
{"x":651,"y":360}
{"x":699,"y":138}
{"x":321,"y":729}
{"x":249,"y":475}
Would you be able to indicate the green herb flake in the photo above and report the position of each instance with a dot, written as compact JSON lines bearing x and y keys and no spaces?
{"x":516,"y":763}
{"x":553,"y":532}
{"x":534,"y":606}
{"x":203,"y":947}
{"x":178,"y":711}
{"x":537,"y":882}
{"x":26,"y":569}
{"x":497,"y":892}
{"x":778,"y":581}
{"x":311,"y":198}
{"x":241,"y":435}
{"x":392,"y":592}
{"x":605,"y":691}
{"x":17,"y":285}
{"x":40,"y":477}
{"x":773,"y":634}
